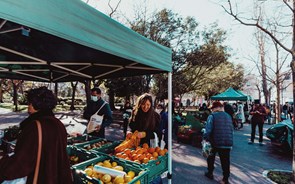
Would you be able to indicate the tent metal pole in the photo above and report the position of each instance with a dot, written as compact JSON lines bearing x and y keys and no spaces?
{"x":169,"y":176}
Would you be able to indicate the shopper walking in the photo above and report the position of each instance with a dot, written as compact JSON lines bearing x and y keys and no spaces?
{"x":258,"y":113}
{"x":219,"y":132}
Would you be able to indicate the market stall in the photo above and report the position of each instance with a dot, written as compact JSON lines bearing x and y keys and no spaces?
{"x":67,"y":40}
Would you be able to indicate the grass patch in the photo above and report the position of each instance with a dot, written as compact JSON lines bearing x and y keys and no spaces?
{"x":20,"y":108}
{"x":280,"y":177}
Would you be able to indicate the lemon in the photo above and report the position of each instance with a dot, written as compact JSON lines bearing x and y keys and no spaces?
{"x":106,"y":178}
{"x":131,"y":174}
{"x":127,"y":178}
{"x":114,"y":164}
{"x":99,"y":163}
{"x":118,"y":180}
{"x":107,"y":164}
{"x":138,"y":182}
{"x":88,"y":171}
{"x":119,"y":168}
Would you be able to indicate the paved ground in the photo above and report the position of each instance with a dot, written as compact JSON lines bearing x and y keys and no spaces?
{"x":247,"y":161}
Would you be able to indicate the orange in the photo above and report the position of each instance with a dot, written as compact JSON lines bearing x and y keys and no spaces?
{"x":137,"y":161}
{"x":127,"y":151}
{"x":141,"y":157}
{"x":134,"y":157}
{"x":145,"y":145}
{"x":157,"y":149}
{"x":144,"y":150}
{"x":145,"y":160}
{"x":162,"y":152}
{"x":139,"y":151}
{"x":151,"y":150}
{"x":148,"y":155}
{"x":119,"y":155}
{"x":155,"y":154}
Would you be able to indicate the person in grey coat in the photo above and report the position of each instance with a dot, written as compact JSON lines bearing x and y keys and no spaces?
{"x":219,"y":132}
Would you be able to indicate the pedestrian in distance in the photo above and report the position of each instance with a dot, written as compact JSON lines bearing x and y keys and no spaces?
{"x":258,"y":114}
{"x":219,"y":132}
{"x":240,"y":115}
{"x":97,"y":103}
{"x":40,"y":153}
{"x":163,"y":124}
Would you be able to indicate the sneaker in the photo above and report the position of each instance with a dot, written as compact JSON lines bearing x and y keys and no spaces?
{"x":208,"y":175}
{"x":224,"y":181}
{"x":250,"y":142}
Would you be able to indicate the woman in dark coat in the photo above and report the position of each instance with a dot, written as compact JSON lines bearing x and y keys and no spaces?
{"x":54,"y":162}
{"x":145,"y":118}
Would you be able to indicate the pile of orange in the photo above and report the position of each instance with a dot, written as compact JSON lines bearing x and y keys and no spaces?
{"x":142,"y":154}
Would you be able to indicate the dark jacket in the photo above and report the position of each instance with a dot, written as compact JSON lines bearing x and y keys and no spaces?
{"x":54,"y":163}
{"x":164,"y":126}
{"x":219,"y":130}
{"x":258,"y":117}
{"x":92,"y":107}
{"x":139,"y":126}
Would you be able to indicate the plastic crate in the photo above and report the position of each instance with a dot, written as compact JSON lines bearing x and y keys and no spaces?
{"x":81,"y":139}
{"x":107,"y":149}
{"x":82,"y":155}
{"x":88,"y":144}
{"x":81,"y":176}
{"x":155,"y":167}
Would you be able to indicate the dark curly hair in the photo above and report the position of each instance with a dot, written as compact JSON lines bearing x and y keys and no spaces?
{"x":41,"y":98}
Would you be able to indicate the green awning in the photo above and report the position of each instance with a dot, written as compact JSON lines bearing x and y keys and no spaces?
{"x":230,"y":94}
{"x":67,"y":40}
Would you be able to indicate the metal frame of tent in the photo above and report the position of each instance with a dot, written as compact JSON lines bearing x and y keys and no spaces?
{"x":67,"y":40}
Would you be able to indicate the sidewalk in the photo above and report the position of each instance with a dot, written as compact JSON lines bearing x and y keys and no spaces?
{"x":188,"y":165}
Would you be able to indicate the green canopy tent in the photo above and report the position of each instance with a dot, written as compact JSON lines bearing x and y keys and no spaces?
{"x":230,"y":94}
{"x":67,"y":40}
{"x":249,"y":98}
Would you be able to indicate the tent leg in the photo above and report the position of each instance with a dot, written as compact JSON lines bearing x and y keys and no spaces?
{"x":169,"y":128}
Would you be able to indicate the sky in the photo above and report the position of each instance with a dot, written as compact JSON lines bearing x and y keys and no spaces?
{"x":240,"y":37}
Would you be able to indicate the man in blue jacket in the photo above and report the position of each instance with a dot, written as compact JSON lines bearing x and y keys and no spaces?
{"x":93,"y":106}
{"x":219,"y":132}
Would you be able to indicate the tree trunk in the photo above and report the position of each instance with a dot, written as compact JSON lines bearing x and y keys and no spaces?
{"x":263,"y":67}
{"x":293,"y":78}
{"x":56,"y":89}
{"x":112,"y":99}
{"x":87,"y":85}
{"x":1,"y":90}
{"x":15,"y":96}
{"x":74,"y":87}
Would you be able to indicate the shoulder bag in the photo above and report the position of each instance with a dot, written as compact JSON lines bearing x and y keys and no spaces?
{"x":24,"y":179}
{"x":95,"y":121}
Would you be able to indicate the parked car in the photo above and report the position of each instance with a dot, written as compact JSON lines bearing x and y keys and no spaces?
{"x":281,"y":135}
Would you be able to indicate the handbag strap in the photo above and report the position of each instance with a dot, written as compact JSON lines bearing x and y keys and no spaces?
{"x":101,"y":107}
{"x":39,"y":152}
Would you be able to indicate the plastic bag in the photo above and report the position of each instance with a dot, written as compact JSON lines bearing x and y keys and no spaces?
{"x":94,"y":123}
{"x":16,"y":181}
{"x":154,"y":142}
{"x":206,"y":148}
